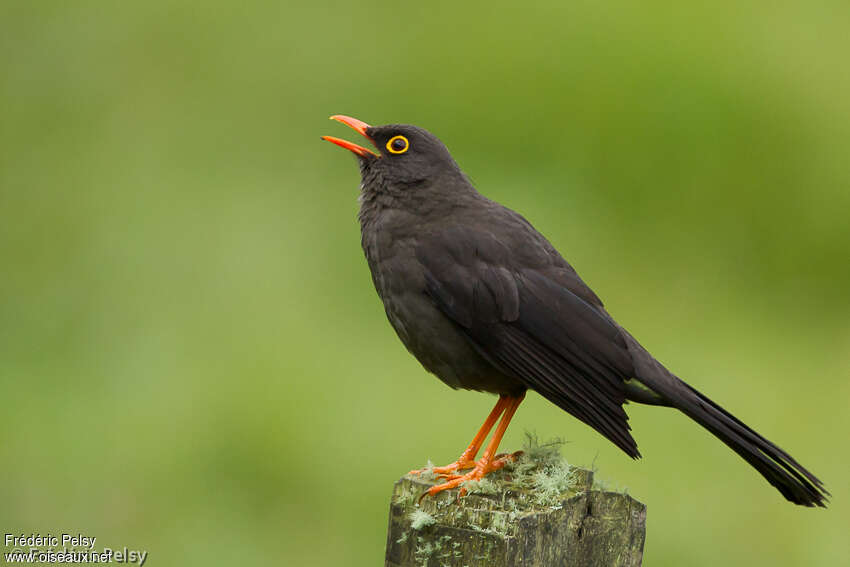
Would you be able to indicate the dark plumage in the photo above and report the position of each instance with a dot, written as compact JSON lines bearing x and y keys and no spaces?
{"x":485,"y":302}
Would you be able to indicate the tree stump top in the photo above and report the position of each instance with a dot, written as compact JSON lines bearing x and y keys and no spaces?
{"x":539,"y":511}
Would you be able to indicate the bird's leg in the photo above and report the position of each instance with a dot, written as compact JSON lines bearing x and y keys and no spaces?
{"x":486,"y":463}
{"x":466,"y":459}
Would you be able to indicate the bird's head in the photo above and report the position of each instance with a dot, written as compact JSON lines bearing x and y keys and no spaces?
{"x":407,"y":156}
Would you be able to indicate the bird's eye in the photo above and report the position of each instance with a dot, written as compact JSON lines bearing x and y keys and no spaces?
{"x":398,"y":145}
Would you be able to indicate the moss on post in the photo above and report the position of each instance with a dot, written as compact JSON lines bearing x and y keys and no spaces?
{"x":537,"y":512}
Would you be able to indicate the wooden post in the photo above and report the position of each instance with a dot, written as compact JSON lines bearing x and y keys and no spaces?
{"x":538,"y":513}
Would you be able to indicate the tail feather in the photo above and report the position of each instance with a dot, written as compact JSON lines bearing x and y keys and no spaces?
{"x":792,"y":480}
{"x":781,"y":470}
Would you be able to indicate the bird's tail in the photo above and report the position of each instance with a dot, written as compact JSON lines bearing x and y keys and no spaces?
{"x":795,"y":483}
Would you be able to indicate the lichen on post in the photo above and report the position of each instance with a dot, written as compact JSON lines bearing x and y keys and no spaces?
{"x":537,"y":512}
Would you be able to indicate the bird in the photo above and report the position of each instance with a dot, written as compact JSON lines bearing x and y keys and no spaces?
{"x":485,"y":302}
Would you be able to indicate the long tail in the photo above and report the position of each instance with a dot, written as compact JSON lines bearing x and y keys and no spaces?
{"x":795,"y":483}
{"x":780,"y":469}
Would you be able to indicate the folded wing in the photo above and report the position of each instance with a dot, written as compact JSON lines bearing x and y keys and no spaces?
{"x":536,"y":321}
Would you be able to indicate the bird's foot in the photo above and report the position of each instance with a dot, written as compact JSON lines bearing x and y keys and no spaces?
{"x":459,"y":465}
{"x":481,"y":468}
{"x":499,"y":461}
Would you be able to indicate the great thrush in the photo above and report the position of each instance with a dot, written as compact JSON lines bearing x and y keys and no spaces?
{"x":486,"y":303}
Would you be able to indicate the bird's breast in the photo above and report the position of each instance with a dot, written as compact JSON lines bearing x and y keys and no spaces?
{"x":436,"y":342}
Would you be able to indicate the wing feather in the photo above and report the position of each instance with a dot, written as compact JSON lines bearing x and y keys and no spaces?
{"x":526,"y":322}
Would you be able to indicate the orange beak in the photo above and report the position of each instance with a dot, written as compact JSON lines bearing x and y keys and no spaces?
{"x":357,"y":125}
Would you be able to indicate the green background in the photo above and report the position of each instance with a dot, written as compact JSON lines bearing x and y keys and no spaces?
{"x":193,"y":360}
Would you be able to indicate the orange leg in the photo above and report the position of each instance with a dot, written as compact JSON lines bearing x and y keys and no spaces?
{"x":465,"y":461}
{"x":486,"y":463}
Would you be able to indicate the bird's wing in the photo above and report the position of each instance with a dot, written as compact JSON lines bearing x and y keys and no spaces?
{"x":534,"y":319}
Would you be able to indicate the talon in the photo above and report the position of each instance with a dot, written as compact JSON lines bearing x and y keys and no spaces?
{"x":459,"y":465}
{"x":490,"y":461}
{"x":503,"y":459}
{"x":482,"y":468}
{"x":447,"y":470}
{"x":447,"y":476}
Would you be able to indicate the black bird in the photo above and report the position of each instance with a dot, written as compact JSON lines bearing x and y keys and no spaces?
{"x":486,"y":303}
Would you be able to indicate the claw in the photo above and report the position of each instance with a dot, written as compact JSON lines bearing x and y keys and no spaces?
{"x":490,"y":461}
{"x":482,"y":469}
{"x":458,"y":465}
{"x":447,"y":476}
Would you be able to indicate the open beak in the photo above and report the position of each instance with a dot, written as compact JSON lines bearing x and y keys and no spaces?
{"x":357,"y":125}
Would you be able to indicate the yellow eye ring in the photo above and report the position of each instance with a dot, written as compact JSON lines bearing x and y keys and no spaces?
{"x":398,"y":145}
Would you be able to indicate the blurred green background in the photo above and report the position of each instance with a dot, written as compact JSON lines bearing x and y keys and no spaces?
{"x":193,"y":360}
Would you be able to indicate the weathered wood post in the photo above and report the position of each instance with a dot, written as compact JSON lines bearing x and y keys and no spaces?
{"x":540,"y":512}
